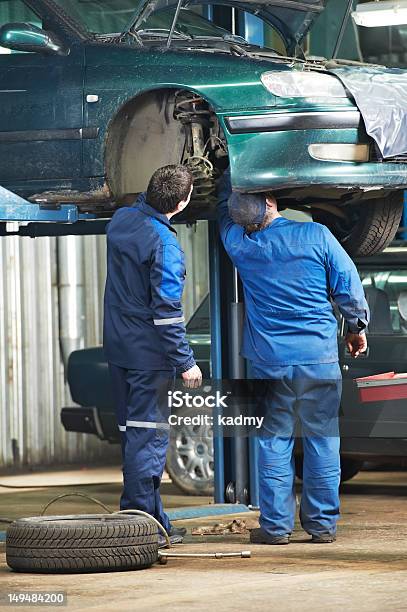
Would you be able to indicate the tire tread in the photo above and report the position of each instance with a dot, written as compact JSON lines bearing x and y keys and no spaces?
{"x":55,"y":545}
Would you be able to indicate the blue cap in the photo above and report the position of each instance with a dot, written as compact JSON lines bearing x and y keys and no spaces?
{"x":247,"y":208}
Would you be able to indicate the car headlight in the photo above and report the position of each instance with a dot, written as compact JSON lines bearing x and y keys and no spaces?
{"x":303,"y":85}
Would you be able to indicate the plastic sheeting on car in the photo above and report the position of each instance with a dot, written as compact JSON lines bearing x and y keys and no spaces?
{"x":381,"y":96}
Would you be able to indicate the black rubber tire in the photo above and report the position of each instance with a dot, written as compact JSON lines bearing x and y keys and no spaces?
{"x":83,"y":543}
{"x":349,"y":467}
{"x":375,"y":228}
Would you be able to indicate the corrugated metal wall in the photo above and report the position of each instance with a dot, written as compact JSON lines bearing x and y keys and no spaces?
{"x":32,"y":383}
{"x":194,"y":241}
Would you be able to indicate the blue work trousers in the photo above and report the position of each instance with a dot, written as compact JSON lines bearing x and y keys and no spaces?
{"x":309,"y":395}
{"x":142,"y":411}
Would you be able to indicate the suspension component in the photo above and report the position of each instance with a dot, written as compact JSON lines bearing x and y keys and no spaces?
{"x":202,"y":141}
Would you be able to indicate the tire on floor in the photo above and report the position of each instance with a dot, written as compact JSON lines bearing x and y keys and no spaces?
{"x":83,"y":543}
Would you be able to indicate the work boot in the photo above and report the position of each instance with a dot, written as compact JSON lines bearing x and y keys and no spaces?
{"x":174,"y":539}
{"x":323,"y":538}
{"x":178,"y":531}
{"x":259,"y":536}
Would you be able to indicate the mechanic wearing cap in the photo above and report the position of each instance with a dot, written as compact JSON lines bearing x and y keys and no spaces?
{"x":144,"y":333}
{"x":291,"y":272}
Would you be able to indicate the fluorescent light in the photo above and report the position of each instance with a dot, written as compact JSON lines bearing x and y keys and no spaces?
{"x":380,"y":13}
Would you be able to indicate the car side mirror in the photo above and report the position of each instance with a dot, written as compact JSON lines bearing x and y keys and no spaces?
{"x":27,"y":37}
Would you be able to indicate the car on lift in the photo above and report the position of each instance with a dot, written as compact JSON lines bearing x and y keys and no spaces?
{"x":97,"y":94}
{"x":374,"y":432}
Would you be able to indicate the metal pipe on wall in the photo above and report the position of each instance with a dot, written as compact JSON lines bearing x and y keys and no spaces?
{"x":71,"y":294}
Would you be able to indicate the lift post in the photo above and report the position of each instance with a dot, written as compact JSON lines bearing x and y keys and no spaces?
{"x":231,"y":454}
{"x":216,"y":352}
{"x":238,"y":372}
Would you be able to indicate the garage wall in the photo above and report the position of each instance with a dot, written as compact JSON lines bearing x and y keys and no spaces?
{"x":32,"y":384}
{"x":194,"y":242}
{"x":32,"y":378}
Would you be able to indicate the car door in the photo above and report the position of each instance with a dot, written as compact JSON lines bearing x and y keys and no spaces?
{"x":386,"y":293}
{"x":41,"y":118}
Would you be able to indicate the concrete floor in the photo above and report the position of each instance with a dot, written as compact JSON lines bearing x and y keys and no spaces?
{"x":365,"y":570}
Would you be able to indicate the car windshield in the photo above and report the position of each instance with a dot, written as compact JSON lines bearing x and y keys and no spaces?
{"x":386,"y":294}
{"x":188,"y":23}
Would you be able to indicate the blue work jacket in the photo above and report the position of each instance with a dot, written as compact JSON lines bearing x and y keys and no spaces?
{"x":290,"y":273}
{"x":143,"y":319}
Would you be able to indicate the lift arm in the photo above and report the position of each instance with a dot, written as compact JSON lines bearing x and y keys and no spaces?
{"x":19,"y":217}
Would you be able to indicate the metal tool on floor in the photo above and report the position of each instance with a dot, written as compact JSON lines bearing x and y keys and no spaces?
{"x":164,"y":556}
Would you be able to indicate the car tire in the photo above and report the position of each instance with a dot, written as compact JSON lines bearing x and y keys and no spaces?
{"x":81,"y":544}
{"x":190,"y":462}
{"x":349,"y":467}
{"x":371,"y":226}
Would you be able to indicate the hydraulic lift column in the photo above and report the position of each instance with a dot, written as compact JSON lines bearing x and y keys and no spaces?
{"x":231,"y":471}
{"x":216,"y":353}
{"x":237,"y":372}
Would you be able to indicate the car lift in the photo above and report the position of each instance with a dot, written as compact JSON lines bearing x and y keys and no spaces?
{"x":19,"y":217}
{"x":236,"y":478}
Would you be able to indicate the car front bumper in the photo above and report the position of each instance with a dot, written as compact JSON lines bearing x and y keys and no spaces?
{"x":374,"y":448}
{"x":274,"y":150}
{"x":82,"y":419}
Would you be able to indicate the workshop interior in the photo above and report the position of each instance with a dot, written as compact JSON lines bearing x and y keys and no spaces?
{"x":203,"y":304}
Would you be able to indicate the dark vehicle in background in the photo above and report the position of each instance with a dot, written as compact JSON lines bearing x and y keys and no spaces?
{"x":375,"y":432}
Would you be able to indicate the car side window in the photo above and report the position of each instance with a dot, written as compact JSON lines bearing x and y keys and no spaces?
{"x":13,"y":11}
{"x":386,"y":294}
{"x":199,"y":323}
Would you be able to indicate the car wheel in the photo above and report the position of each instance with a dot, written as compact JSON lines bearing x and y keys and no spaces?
{"x":190,"y":461}
{"x":349,"y":467}
{"x":87,"y":543}
{"x":369,"y":227}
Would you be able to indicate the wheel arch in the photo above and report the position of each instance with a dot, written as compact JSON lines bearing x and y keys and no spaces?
{"x":126,"y":139}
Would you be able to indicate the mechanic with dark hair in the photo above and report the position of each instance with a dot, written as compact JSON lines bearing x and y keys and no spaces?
{"x":144,"y":333}
{"x":291,"y":273}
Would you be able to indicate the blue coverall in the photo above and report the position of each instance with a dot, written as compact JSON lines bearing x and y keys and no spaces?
{"x":144,"y":343}
{"x":290,"y":272}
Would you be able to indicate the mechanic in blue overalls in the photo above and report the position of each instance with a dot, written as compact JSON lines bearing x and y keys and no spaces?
{"x":144,"y":333}
{"x":290,"y":272}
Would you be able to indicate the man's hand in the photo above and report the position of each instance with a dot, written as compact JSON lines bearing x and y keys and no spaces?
{"x":356,"y":344}
{"x":192,"y":378}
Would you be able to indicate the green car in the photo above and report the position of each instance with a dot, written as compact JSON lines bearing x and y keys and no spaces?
{"x":96,"y":94}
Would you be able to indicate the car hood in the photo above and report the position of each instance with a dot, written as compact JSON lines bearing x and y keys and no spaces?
{"x":292,"y":18}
